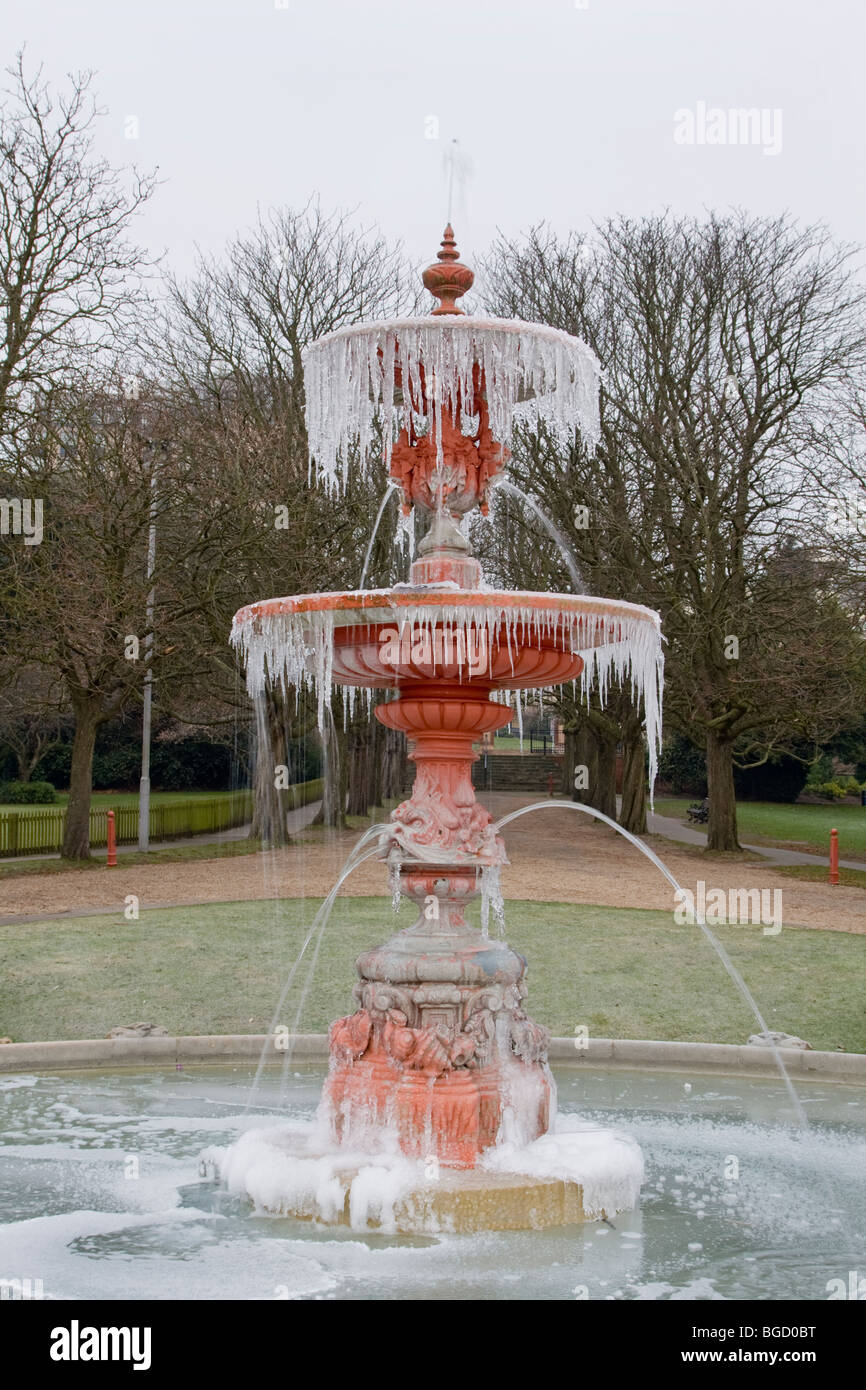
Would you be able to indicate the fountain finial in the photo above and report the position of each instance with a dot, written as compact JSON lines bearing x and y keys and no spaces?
{"x":449,"y":279}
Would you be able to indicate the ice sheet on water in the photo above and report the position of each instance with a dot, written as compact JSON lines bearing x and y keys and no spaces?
{"x":174,"y":1254}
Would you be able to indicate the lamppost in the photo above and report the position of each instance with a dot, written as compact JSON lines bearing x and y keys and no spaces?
{"x":147,"y":703}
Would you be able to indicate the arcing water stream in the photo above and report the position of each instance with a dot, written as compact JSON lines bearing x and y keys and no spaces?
{"x":717,"y":946}
{"x":552,"y":530}
{"x":828,"y":1180}
{"x":318,"y":925}
{"x":391,"y":488}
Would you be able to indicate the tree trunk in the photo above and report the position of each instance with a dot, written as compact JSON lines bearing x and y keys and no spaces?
{"x":632,"y":814}
{"x":722,"y":823}
{"x":332,"y":810}
{"x":359,"y":757}
{"x":343,"y":793}
{"x":604,"y":790}
{"x":375,"y":763}
{"x":568,"y":762}
{"x":269,"y":800}
{"x":394,"y":765}
{"x":25,"y":762}
{"x":585,"y":757}
{"x":76,"y":831}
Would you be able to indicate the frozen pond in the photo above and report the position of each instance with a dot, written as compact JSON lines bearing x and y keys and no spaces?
{"x":101,"y":1196}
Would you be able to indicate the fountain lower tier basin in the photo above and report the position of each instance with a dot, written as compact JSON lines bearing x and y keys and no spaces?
{"x":383,"y":638}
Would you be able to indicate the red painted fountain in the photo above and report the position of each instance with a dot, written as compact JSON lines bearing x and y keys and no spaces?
{"x":440,"y":1053}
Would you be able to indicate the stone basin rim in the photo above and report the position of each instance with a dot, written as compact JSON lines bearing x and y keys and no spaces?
{"x":312,"y":1048}
{"x":352,"y":606}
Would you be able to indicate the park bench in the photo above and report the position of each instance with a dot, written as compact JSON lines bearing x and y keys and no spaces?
{"x":699,"y":811}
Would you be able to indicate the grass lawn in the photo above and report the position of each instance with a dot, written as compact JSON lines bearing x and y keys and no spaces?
{"x":800,"y":827}
{"x":510,"y":743}
{"x":622,"y":973}
{"x":112,"y":799}
{"x":849,"y":878}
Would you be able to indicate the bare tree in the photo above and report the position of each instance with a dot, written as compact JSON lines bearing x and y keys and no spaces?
{"x":716,"y":337}
{"x":77,"y":601}
{"x":233,"y":346}
{"x":31,"y":712}
{"x":68,"y":269}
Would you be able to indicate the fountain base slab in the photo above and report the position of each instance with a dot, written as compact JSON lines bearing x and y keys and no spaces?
{"x":459,"y":1202}
{"x":580,"y":1172}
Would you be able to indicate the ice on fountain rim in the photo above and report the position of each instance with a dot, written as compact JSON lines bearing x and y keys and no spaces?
{"x":349,"y":383}
{"x":618,"y":641}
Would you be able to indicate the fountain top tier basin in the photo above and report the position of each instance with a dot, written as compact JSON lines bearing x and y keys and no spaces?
{"x":406,"y":377}
{"x":439,"y":395}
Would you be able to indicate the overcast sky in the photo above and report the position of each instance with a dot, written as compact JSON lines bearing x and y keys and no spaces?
{"x":567,"y":113}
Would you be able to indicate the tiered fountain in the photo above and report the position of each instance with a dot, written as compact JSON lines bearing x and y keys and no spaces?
{"x":440,"y":1063}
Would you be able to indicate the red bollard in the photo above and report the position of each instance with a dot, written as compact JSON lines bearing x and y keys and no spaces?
{"x":112,"y":842}
{"x":834,"y":856}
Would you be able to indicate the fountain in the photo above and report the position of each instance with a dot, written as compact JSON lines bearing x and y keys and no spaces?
{"x":435,"y":1133}
{"x":439,"y":1075}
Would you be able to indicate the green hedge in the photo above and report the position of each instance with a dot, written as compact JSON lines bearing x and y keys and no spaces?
{"x":302,"y":793}
{"x":27,"y":794}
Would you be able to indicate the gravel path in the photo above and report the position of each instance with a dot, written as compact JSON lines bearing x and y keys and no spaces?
{"x":556,"y":856}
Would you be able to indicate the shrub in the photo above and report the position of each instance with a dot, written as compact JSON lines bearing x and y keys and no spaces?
{"x":833,"y":791}
{"x":27,"y":794}
{"x":820,"y":771}
{"x":55,"y":765}
{"x":683,"y":767}
{"x":780,"y":779}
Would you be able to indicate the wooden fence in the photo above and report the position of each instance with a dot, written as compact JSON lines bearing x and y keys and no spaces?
{"x":39,"y":829}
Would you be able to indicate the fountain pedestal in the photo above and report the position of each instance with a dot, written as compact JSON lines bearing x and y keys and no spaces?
{"x":440,"y":1049}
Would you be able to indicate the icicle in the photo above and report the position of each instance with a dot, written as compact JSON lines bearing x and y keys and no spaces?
{"x":405,"y":532}
{"x":291,"y":642}
{"x":492,"y":900}
{"x":349,"y":383}
{"x":394,"y":878}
